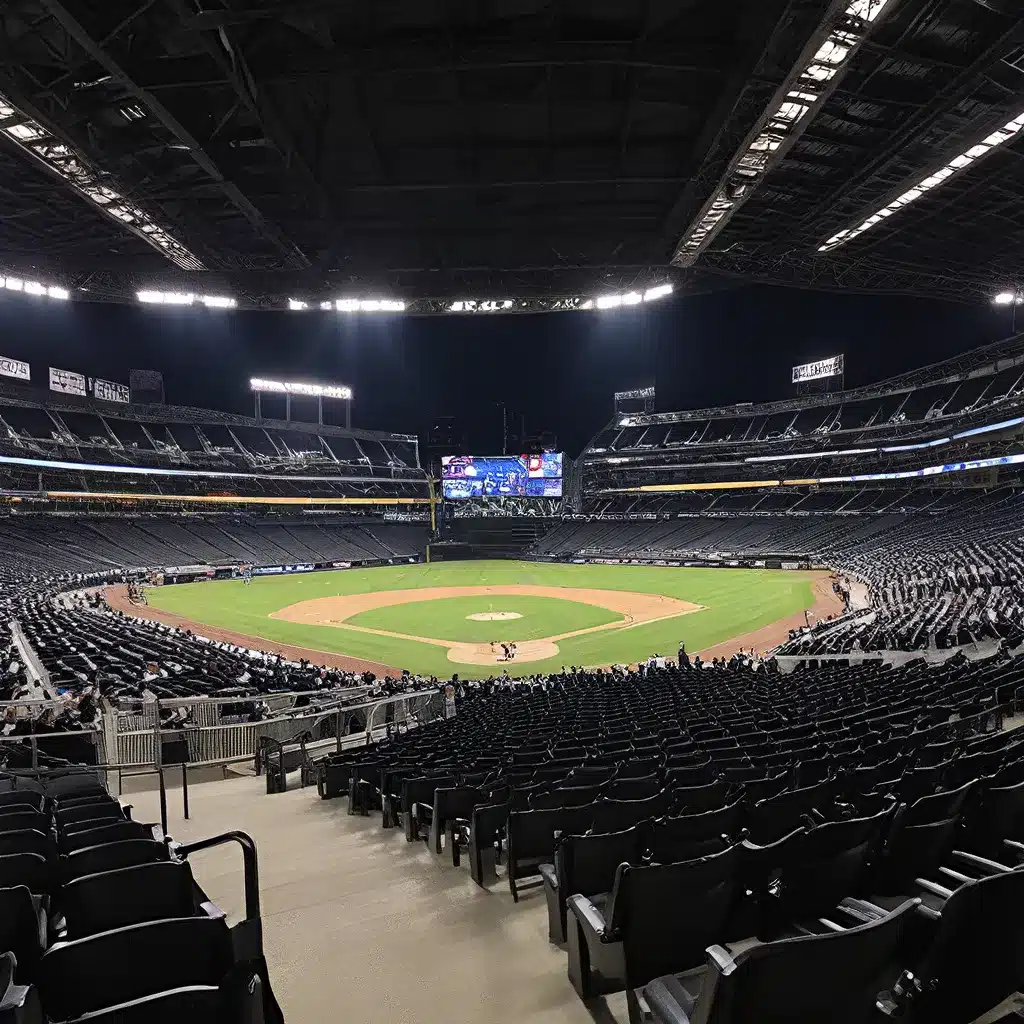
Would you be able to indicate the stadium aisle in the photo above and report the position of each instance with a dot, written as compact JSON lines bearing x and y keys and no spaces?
{"x":360,"y":924}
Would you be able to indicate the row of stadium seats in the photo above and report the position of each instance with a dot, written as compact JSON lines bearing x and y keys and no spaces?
{"x":102,"y":920}
{"x":48,"y":544}
{"x":866,"y":810}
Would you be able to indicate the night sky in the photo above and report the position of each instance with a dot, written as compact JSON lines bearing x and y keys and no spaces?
{"x":560,"y":370}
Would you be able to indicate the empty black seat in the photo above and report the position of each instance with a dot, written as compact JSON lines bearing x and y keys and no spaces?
{"x":531,"y":839}
{"x":86,"y":975}
{"x":105,"y":831}
{"x":805,"y":980}
{"x":586,"y":864}
{"x":92,"y":811}
{"x":28,"y":869}
{"x":22,"y":930}
{"x":664,"y":915}
{"x":110,"y":857}
{"x":125,"y":896}
{"x":690,"y":836}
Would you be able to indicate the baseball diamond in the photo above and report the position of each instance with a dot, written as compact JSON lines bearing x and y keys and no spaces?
{"x":427,"y":618}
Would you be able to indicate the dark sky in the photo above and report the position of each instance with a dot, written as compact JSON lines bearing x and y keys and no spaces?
{"x":560,"y":370}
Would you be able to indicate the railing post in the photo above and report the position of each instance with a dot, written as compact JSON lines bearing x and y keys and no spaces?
{"x":184,"y":788}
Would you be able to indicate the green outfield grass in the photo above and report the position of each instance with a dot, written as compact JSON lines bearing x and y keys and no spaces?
{"x":735,"y":601}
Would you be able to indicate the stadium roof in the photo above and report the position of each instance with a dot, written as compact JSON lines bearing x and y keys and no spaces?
{"x":547,"y":150}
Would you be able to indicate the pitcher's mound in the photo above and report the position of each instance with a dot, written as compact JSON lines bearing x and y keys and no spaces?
{"x":481,"y":654}
{"x":494,"y":616}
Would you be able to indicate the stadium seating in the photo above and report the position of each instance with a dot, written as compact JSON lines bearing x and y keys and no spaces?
{"x":684,"y":810}
{"x":117,"y":930}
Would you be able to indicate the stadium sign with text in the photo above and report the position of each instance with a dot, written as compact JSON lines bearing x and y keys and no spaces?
{"x":14,"y":368}
{"x":822,"y":368}
{"x":296,"y":388}
{"x":108,"y":391}
{"x":67,"y":382}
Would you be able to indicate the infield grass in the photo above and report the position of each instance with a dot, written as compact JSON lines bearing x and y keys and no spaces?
{"x":736,"y":601}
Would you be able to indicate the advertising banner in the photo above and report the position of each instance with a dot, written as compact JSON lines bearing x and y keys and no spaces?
{"x":832,"y":367}
{"x":14,"y":368}
{"x":67,"y":382}
{"x":108,"y":391}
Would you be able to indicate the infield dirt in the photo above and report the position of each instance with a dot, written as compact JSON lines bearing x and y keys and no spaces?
{"x":635,"y":609}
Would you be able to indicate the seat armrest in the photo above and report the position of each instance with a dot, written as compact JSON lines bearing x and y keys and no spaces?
{"x":669,"y":1002}
{"x":989,"y":867}
{"x":721,"y":958}
{"x":590,"y":918}
{"x":549,"y":875}
{"x":213,"y":911}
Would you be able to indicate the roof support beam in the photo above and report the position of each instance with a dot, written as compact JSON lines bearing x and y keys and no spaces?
{"x":227,"y":54}
{"x":293,"y":256}
{"x":816,"y":72}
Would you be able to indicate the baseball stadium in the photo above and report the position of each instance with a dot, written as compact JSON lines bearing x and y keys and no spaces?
{"x":511,"y":512}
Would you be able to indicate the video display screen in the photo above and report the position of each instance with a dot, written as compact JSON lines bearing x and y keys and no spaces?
{"x":520,"y":476}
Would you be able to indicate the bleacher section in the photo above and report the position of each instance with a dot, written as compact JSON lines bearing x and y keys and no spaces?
{"x":40,"y":544}
{"x":672,"y":811}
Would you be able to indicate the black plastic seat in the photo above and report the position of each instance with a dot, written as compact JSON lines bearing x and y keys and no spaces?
{"x":29,"y":869}
{"x":776,"y":816}
{"x":22,"y":930}
{"x":690,"y":836}
{"x":665,"y":916}
{"x":111,"y":856}
{"x":531,"y":839}
{"x":974,"y":960}
{"x":126,"y":896}
{"x":19,"y":820}
{"x":616,"y":815}
{"x":89,"y":812}
{"x":586,"y":864}
{"x":804,"y":980}
{"x":106,"y":831}
{"x":27,"y":840}
{"x":88,"y":974}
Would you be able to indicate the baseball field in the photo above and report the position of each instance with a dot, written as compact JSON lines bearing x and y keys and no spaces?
{"x":455,"y":616}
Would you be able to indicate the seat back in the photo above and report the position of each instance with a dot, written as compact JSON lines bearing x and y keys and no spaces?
{"x":805,"y":980}
{"x":126,"y":896}
{"x":668,"y":914}
{"x":689,"y":836}
{"x":20,"y":931}
{"x":20,"y":819}
{"x":26,"y":840}
{"x":88,"y":812}
{"x":531,"y":835}
{"x":106,"y":831}
{"x":974,"y":961}
{"x":110,"y":857}
{"x":938,"y":806}
{"x":826,"y":865}
{"x":587,"y":864}
{"x":117,"y":966}
{"x":28,"y":869}
{"x":912,"y":851}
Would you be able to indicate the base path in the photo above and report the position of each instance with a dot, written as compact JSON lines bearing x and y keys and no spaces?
{"x":636,"y":610}
{"x":117,"y":599}
{"x":826,"y":603}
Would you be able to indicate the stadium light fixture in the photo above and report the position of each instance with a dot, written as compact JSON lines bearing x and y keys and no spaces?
{"x":281,"y":387}
{"x":951,"y":169}
{"x":1009,"y":298}
{"x":481,"y":306}
{"x":297,"y":304}
{"x":630,"y":298}
{"x":368,"y":306}
{"x":71,"y":166}
{"x":16,"y":284}
{"x":153,"y":296}
{"x":790,"y":111}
